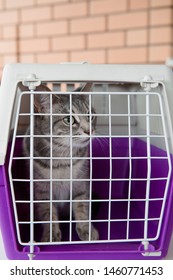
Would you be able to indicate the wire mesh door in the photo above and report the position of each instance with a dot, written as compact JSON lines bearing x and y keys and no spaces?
{"x":118,"y":142}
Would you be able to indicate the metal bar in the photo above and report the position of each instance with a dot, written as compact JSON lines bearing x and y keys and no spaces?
{"x":110,"y":166}
{"x":31,"y":175}
{"x":71,"y":170}
{"x":148,"y":169}
{"x":51,"y":168}
{"x":91,"y":165}
{"x":130,"y":168}
{"x":93,"y":200}
{"x":94,"y":180}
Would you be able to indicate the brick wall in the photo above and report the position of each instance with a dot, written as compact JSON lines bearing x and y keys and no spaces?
{"x":99,"y":31}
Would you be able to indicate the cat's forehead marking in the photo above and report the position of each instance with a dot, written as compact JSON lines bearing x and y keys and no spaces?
{"x":86,"y":105}
{"x":74,"y":111}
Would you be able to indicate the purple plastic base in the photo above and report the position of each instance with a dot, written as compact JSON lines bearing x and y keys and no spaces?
{"x":120,"y":190}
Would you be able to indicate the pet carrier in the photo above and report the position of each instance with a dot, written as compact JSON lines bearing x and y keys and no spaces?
{"x":129,"y":160}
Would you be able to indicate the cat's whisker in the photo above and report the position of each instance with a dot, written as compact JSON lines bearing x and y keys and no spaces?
{"x":100,"y":142}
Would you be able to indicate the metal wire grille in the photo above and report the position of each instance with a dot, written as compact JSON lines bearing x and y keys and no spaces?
{"x":131,"y":194}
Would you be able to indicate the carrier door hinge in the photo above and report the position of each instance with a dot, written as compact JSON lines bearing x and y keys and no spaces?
{"x":148,"y":83}
{"x":152,"y":254}
{"x":31,"y":81}
{"x":28,"y":250}
{"x":148,"y":250}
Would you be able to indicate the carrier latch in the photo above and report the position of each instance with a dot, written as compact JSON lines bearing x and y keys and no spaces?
{"x":31,"y":82}
{"x":148,"y":83}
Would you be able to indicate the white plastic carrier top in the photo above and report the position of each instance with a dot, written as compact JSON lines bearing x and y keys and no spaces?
{"x":37,"y":73}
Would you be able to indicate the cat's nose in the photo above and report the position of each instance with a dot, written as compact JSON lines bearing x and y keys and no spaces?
{"x":87,"y":132}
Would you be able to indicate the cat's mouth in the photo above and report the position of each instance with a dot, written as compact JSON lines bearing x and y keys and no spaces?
{"x":81,"y":141}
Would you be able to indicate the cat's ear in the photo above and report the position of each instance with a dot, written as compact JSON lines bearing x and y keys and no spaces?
{"x":85,"y":88}
{"x":42,"y":101}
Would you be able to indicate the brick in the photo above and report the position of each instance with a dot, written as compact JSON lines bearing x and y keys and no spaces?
{"x":160,"y":35}
{"x":10,"y":59}
{"x":26,"y":30}
{"x":8,"y":17}
{"x":106,"y":40}
{"x":107,"y":6}
{"x":27,"y":58}
{"x":39,"y":2}
{"x":159,"y":54}
{"x":70,"y":10}
{"x":9,"y":31}
{"x":128,"y":55}
{"x":160,"y":3}
{"x":1,"y":33}
{"x":36,"y":14}
{"x":137,"y":37}
{"x":68,"y":43}
{"x":98,"y":56}
{"x":137,"y":5}
{"x":8,"y":47}
{"x":128,"y":20}
{"x":1,"y":63}
{"x":18,"y":3}
{"x":52,"y":28}
{"x":88,"y":25}
{"x":1,"y":4}
{"x":34,"y":45}
{"x":161,"y":16}
{"x":52,"y":57}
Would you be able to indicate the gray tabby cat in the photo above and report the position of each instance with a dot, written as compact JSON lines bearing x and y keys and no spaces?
{"x":80,"y":126}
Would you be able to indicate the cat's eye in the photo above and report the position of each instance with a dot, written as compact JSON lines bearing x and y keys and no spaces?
{"x":66,"y":120}
{"x":92,"y":117}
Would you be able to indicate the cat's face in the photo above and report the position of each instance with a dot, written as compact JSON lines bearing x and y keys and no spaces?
{"x":80,"y":124}
{"x":71,"y":124}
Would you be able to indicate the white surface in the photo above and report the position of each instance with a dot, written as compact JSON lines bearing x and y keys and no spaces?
{"x":170,"y":251}
{"x":2,"y":251}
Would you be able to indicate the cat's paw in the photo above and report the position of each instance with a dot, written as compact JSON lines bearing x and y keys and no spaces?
{"x":83,"y":232}
{"x":45,"y":238}
{"x":56,"y":237}
{"x":94,"y":233}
